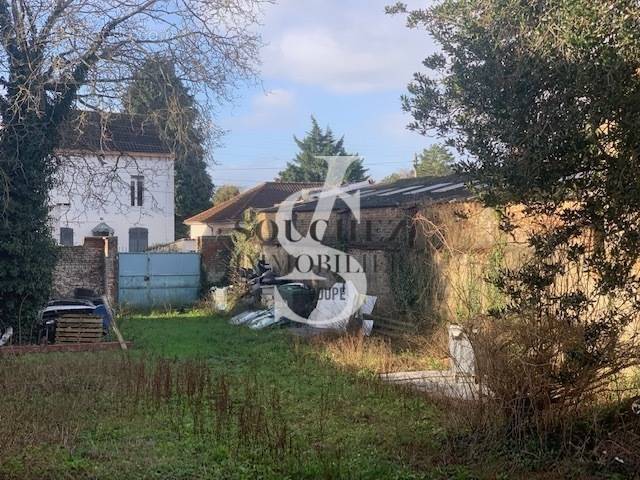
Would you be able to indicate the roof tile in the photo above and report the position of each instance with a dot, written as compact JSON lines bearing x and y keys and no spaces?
{"x":263,"y":195}
{"x":104,"y":132}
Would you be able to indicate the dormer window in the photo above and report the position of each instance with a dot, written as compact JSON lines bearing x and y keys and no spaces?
{"x":137,"y":190}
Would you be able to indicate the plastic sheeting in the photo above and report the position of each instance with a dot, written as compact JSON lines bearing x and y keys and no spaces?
{"x":367,"y":327}
{"x":244,"y":317}
{"x":6,"y":336}
{"x":256,"y":320}
{"x":368,"y":304}
{"x":328,"y":311}
{"x":326,"y":316}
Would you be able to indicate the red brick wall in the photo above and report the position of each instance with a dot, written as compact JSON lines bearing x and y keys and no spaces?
{"x":214,"y":255}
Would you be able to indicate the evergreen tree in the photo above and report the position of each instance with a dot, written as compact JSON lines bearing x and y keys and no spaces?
{"x":306,"y":167}
{"x":158,"y":93}
{"x":399,"y":175}
{"x":434,"y":161}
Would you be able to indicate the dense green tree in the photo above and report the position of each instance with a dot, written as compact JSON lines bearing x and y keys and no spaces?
{"x":433,"y":162}
{"x":306,"y":167}
{"x":224,"y":193}
{"x":545,"y":97}
{"x":157,"y":93}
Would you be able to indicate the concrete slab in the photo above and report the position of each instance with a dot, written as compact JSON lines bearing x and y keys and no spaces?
{"x":437,"y":382}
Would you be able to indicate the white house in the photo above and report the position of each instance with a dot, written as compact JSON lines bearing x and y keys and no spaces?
{"x":116,"y":178}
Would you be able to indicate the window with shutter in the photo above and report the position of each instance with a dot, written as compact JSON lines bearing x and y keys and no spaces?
{"x":66,"y":236}
{"x":140,"y":192}
{"x":138,"y":239}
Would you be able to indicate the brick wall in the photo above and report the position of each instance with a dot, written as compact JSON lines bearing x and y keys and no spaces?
{"x":377,"y":266}
{"x":379,"y":232}
{"x":373,"y":241}
{"x":379,"y":226}
{"x":93,"y":265}
{"x":111,"y":270}
{"x":215,"y":253}
{"x":375,"y":262}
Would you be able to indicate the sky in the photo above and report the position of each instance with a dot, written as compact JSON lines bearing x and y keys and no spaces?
{"x":344,"y":61}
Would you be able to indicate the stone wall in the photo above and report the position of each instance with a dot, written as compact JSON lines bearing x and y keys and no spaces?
{"x":93,"y":265}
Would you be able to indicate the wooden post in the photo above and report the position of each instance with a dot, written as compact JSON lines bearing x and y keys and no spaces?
{"x":123,"y":344}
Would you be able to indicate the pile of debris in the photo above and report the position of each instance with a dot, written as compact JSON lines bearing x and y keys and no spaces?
{"x":275,"y":301}
{"x":320,"y":314}
{"x":256,"y":320}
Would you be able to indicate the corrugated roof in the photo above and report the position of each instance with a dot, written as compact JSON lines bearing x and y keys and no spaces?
{"x":263,"y":195}
{"x":103,"y":132}
{"x":408,"y":191}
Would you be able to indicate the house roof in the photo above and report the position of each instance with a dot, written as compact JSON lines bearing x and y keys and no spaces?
{"x":405,"y":192}
{"x":104,"y":132}
{"x":261,"y":196}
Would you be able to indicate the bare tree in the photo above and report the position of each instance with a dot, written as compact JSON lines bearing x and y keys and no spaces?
{"x":59,"y":55}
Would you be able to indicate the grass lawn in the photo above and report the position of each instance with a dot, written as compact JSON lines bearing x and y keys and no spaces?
{"x":198,"y":398}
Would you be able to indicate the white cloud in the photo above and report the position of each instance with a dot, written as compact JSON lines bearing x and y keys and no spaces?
{"x":343,"y":46}
{"x":269,"y":108}
{"x":277,"y":98}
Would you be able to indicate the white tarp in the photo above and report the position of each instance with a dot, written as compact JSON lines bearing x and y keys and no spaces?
{"x":328,"y":311}
{"x":367,"y":327}
{"x":6,"y":336}
{"x":245,"y":317}
{"x":368,"y":304}
{"x":255,"y":320}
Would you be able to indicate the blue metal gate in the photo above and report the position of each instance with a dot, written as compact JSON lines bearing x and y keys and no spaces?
{"x":149,"y":280}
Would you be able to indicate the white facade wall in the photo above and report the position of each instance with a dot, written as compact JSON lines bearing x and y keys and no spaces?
{"x":211,"y":229}
{"x":93,"y":189}
{"x":200,"y":230}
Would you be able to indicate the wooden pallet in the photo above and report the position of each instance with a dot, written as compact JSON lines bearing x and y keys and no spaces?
{"x":79,"y":328}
